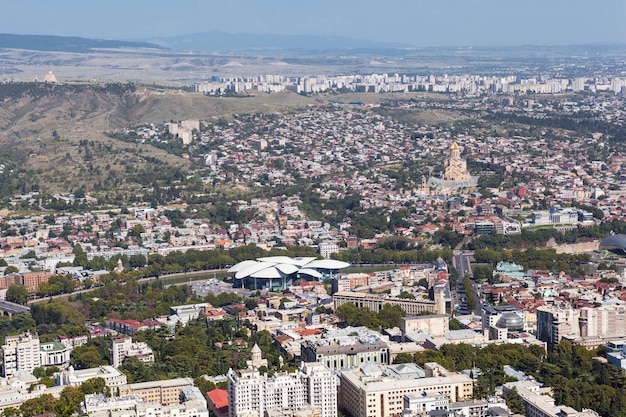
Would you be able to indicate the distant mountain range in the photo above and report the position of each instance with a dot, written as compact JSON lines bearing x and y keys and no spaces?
{"x":200,"y":42}
{"x":65,"y":43}
{"x":216,"y":41}
{"x":223,"y":41}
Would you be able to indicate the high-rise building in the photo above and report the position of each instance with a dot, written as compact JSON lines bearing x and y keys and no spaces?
{"x":20,"y":353}
{"x":321,"y":388}
{"x":554,"y":323}
{"x":253,"y":393}
{"x":246,"y":392}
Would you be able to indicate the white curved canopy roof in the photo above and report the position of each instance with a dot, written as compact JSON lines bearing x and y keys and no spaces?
{"x":287,"y":268}
{"x":251,"y":269}
{"x":327,"y":264}
{"x":271,"y":272}
{"x":279,"y":266}
{"x":287,"y":260}
{"x":241,"y":265}
{"x":310,"y":272}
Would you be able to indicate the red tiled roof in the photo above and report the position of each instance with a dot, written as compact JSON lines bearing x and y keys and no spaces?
{"x":310,"y":332}
{"x":219,"y":397}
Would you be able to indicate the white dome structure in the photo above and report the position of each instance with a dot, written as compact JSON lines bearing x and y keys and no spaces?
{"x":277,"y":273}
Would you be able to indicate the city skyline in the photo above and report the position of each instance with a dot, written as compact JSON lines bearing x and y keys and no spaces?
{"x":415,"y":23}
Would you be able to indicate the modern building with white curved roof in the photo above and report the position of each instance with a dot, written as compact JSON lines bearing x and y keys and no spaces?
{"x":277,"y":273}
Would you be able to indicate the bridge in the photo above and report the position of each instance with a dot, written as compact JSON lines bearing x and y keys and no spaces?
{"x":8,"y":308}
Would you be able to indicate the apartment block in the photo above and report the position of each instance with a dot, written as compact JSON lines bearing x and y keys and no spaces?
{"x":253,"y":393}
{"x":20,"y":353}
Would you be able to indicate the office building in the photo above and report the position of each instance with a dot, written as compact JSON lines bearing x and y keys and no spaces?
{"x":375,"y":303}
{"x":377,"y":391}
{"x":97,"y":405}
{"x":337,"y":354}
{"x":539,"y":402}
{"x":54,"y":354}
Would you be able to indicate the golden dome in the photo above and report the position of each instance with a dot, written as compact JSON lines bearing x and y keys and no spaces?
{"x":454,"y":146}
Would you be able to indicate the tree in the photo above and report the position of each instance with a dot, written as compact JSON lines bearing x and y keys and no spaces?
{"x":11,"y":270}
{"x":45,"y":403}
{"x":17,"y":294}
{"x":11,"y":412}
{"x":95,"y":386}
{"x":454,"y":324}
{"x":69,"y":401}
{"x":389,"y":316}
{"x":514,"y":402}
{"x":84,"y":357}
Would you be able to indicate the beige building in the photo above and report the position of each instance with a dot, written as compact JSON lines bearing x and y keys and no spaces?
{"x":435,"y":324}
{"x":162,"y":392}
{"x":375,"y":303}
{"x":376,"y":391}
{"x":122,"y":347}
{"x":587,"y":323}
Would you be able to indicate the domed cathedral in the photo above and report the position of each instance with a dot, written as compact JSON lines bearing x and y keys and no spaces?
{"x":455,"y":168}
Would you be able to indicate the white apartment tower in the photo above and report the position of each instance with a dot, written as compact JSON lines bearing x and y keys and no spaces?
{"x":319,"y":381}
{"x":20,"y":353}
{"x":249,"y":392}
{"x":246,"y":392}
{"x":284,"y":391}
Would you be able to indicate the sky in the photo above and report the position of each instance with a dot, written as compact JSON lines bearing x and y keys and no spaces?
{"x":414,"y":22}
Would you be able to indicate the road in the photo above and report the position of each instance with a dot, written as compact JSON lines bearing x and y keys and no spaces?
{"x":462,"y":264}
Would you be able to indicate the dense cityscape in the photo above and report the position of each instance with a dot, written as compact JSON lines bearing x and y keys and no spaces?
{"x":316,"y":242}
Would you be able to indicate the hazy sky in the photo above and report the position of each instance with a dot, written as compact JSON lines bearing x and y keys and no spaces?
{"x":417,"y":22}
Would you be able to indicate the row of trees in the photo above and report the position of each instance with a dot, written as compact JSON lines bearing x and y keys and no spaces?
{"x":389,"y":316}
{"x":381,"y":255}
